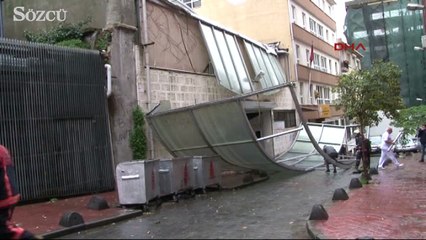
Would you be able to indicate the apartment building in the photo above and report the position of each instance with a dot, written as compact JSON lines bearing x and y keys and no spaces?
{"x":297,"y":26}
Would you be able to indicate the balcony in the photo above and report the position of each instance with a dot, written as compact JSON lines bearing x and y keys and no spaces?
{"x":316,"y":76}
{"x":303,"y":36}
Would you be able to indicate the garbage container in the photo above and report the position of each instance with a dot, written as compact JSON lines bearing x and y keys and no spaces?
{"x":175,"y":175}
{"x":137,"y":181}
{"x":207,"y":171}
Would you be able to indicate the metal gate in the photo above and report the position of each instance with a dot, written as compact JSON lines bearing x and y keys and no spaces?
{"x":54,"y":119}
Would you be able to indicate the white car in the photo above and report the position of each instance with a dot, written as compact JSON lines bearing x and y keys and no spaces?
{"x":411,"y":144}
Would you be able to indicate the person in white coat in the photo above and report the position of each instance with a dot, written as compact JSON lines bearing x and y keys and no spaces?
{"x":387,"y":141}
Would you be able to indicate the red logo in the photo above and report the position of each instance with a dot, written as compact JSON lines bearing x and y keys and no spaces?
{"x":345,"y":46}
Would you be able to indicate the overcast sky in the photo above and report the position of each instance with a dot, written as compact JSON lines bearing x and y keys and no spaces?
{"x":340,"y":18}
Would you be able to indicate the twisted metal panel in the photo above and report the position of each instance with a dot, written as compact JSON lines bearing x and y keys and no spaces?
{"x":53,"y":118}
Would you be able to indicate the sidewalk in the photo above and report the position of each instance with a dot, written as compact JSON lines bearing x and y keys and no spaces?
{"x":393,"y":205}
{"x":43,"y":218}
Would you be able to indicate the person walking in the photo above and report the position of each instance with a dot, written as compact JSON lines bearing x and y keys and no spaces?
{"x":9,"y":197}
{"x":421,"y":134}
{"x":387,"y":142}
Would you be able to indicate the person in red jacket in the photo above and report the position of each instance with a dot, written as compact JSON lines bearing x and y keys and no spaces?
{"x":9,"y":197}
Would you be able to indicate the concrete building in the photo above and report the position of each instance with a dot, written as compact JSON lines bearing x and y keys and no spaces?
{"x":296,"y":25}
{"x":390,"y":31}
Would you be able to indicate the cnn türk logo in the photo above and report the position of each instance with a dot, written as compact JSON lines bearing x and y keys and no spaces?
{"x":345,"y":46}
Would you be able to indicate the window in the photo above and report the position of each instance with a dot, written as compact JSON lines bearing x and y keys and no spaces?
{"x":304,"y":19}
{"x":293,"y":12}
{"x":317,"y":61}
{"x":297,"y":53}
{"x":329,"y":64}
{"x":322,"y":95}
{"x":326,"y":35}
{"x":288,"y":116}
{"x":312,"y":25}
{"x":301,"y":92}
{"x":320,"y":31}
{"x":333,"y":40}
{"x":335,"y":67}
{"x":323,"y":64}
{"x":308,"y":55}
{"x":192,"y":3}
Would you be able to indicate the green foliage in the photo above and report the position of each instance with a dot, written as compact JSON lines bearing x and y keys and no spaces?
{"x":73,"y":43}
{"x":137,"y":135}
{"x":363,"y":93}
{"x":103,"y":40}
{"x":59,"y":33}
{"x":410,"y":119}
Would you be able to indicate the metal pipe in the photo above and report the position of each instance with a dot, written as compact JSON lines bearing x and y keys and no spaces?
{"x":279,"y":134}
{"x":108,"y":69}
{"x":147,"y":73}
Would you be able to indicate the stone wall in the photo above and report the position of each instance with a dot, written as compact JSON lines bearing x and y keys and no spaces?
{"x":181,"y":89}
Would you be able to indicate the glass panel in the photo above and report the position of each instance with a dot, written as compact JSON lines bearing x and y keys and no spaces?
{"x":247,"y":155}
{"x":302,"y":147}
{"x":332,"y":135}
{"x":269,"y":68}
{"x":215,"y":56}
{"x":186,"y":135}
{"x":266,"y":80}
{"x":252,"y":57}
{"x":226,"y":57}
{"x":278,"y":70}
{"x":238,"y":62}
{"x":223,"y":123}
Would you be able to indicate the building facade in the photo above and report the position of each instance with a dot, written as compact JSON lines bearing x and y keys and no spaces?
{"x":390,"y":32}
{"x":297,"y":25}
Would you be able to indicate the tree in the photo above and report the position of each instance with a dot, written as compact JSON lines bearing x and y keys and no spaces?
{"x":137,"y":135}
{"x":365,"y":92}
{"x":410,"y":119}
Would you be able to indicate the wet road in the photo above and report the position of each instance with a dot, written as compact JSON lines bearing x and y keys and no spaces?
{"x":276,"y":208}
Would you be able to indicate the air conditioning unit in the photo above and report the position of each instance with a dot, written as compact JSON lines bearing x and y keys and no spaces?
{"x":424,"y":41}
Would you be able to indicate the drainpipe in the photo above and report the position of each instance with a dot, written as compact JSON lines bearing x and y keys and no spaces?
{"x":147,"y":69}
{"x":108,"y":69}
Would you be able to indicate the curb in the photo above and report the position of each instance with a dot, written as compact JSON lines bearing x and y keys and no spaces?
{"x":313,"y":233}
{"x":85,"y":226}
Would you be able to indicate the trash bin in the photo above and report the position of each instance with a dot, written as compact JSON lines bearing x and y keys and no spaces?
{"x":175,"y":175}
{"x":207,"y":171}
{"x":137,"y":181}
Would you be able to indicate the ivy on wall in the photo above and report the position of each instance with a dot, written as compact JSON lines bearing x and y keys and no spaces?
{"x":74,"y":35}
{"x":137,"y":135}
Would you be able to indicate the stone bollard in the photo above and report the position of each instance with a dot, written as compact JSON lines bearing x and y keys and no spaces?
{"x":70,"y":219}
{"x":318,"y":213}
{"x":340,"y":194}
{"x":355,"y":183}
{"x":97,"y":203}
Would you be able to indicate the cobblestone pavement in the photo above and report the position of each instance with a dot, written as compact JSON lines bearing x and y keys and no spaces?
{"x":392,"y":206}
{"x":276,"y":208}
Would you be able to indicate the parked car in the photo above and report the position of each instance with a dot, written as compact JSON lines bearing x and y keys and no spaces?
{"x":411,"y":144}
{"x":375,"y":143}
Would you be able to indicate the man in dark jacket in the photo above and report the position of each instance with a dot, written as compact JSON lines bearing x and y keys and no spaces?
{"x":9,"y":197}
{"x":330,"y":151}
{"x":421,"y":134}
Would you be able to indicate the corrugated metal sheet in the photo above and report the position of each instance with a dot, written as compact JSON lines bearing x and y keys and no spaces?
{"x":53,"y":118}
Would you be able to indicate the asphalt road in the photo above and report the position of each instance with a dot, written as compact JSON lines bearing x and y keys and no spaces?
{"x":276,"y":208}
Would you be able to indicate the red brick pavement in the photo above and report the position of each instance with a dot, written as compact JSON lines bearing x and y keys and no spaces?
{"x":393,"y":205}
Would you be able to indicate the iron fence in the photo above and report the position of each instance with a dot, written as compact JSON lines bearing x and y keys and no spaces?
{"x":54,"y":119}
